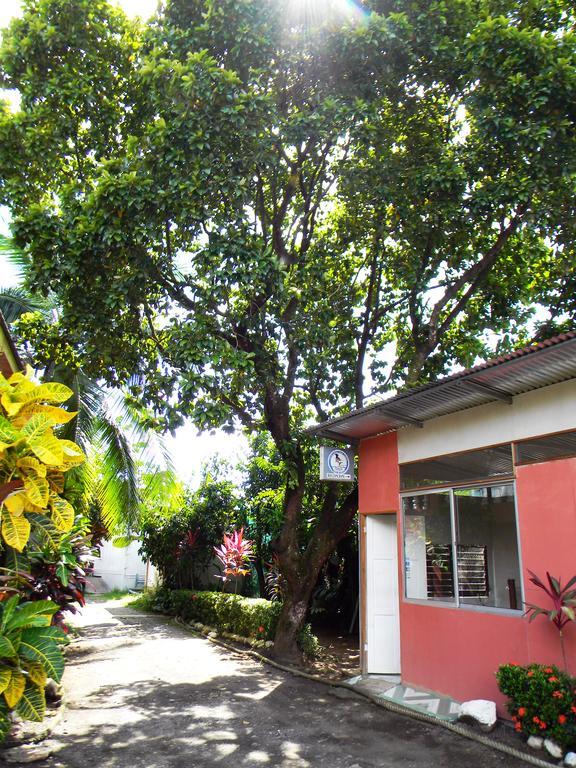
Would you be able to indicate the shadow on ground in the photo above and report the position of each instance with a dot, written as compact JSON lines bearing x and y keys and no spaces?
{"x":155,"y":696}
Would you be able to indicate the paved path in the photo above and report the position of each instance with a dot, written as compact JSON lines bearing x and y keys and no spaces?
{"x":142,"y":692}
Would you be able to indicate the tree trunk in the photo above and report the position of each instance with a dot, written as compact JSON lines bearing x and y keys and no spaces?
{"x":301,"y":569}
{"x":291,"y":621}
{"x":259,"y":568}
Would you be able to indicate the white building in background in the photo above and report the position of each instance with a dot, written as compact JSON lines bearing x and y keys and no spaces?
{"x":120,"y":568}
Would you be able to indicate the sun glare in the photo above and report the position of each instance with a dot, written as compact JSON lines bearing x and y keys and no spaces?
{"x":308,"y":14}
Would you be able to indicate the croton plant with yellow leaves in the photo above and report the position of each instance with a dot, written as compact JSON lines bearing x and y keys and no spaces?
{"x":33,"y":463}
{"x":33,"y":459}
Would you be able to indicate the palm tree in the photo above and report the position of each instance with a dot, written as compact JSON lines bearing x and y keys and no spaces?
{"x":120,"y":451}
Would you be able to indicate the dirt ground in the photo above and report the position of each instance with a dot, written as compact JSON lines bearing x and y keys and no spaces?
{"x":142,"y":692}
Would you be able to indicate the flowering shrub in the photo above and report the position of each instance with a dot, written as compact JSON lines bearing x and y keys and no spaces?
{"x":541,"y":700}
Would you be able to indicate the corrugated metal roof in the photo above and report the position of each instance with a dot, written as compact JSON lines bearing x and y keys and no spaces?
{"x":539,"y":365}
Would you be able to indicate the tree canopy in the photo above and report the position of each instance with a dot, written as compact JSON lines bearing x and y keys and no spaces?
{"x":256,"y":216}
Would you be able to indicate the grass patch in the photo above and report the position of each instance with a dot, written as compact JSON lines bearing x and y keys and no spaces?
{"x":115,"y":594}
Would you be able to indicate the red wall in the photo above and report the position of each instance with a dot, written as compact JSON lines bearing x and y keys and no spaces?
{"x":378,"y":476}
{"x":457,"y":651}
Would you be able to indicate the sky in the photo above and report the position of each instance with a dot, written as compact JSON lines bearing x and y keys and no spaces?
{"x":189,"y":450}
{"x":143,"y":8}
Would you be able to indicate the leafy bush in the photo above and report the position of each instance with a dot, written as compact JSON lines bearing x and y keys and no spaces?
{"x":181,"y":544}
{"x":541,"y":700}
{"x":29,"y":654}
{"x":245,"y":616}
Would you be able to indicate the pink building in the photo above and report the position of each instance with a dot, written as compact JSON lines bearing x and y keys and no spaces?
{"x":465,"y":485}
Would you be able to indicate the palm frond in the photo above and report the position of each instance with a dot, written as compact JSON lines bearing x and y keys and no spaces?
{"x":10,"y":252}
{"x":117,"y":487}
{"x":16,"y":301}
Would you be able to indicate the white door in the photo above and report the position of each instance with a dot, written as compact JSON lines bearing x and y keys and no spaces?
{"x":382,"y":606}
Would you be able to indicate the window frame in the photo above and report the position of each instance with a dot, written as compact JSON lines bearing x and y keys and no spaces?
{"x":456,"y":603}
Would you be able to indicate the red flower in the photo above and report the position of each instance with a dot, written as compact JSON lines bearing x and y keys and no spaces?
{"x":552,"y":679}
{"x":535,"y":719}
{"x":558,"y":694}
{"x":542,"y":726}
{"x":521,"y":711}
{"x":518,"y":726}
{"x":573,"y":709}
{"x":514,"y":719}
{"x":561,"y":719}
{"x":548,"y":670}
{"x":260,"y":628}
{"x":530,"y":673}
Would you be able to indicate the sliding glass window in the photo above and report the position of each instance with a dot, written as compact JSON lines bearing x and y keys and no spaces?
{"x":474,"y":528}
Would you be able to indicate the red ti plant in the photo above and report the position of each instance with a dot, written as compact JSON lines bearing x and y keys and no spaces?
{"x":234,"y":554}
{"x":563,"y":605}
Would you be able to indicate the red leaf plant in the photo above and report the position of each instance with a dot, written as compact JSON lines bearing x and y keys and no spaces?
{"x":234,"y":554}
{"x":563,"y":605}
{"x":188,"y":543}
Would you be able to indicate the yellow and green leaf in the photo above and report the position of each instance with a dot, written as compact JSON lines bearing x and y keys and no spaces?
{"x":53,"y":392}
{"x":37,"y":426}
{"x":48,"y":449}
{"x":15,"y":530}
{"x":32,"y":704}
{"x":37,"y":490}
{"x":15,"y":688}
{"x":28,"y":465}
{"x":62,"y":514}
{"x":15,"y":503}
{"x":5,"y":677}
{"x":36,"y":673}
{"x":8,"y":433}
{"x":73,"y":454}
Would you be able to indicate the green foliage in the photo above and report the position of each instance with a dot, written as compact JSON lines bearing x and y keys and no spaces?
{"x":245,"y":616}
{"x":180,"y":543}
{"x":541,"y":700}
{"x":30,"y":652}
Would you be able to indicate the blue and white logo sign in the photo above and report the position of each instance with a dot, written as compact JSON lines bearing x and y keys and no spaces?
{"x":336,"y":464}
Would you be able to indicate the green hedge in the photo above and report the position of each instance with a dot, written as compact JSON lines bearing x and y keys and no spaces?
{"x":249,"y":617}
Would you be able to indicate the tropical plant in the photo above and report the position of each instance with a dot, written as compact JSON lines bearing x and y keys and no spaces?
{"x":179,"y":537}
{"x":541,"y":701}
{"x":56,"y":570}
{"x":234,"y":555}
{"x":274,"y":582}
{"x":563,"y":609}
{"x":33,"y":460}
{"x":30,"y":652}
{"x":122,"y":472}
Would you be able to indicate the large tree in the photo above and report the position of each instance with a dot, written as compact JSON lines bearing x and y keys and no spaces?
{"x":243,"y":206}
